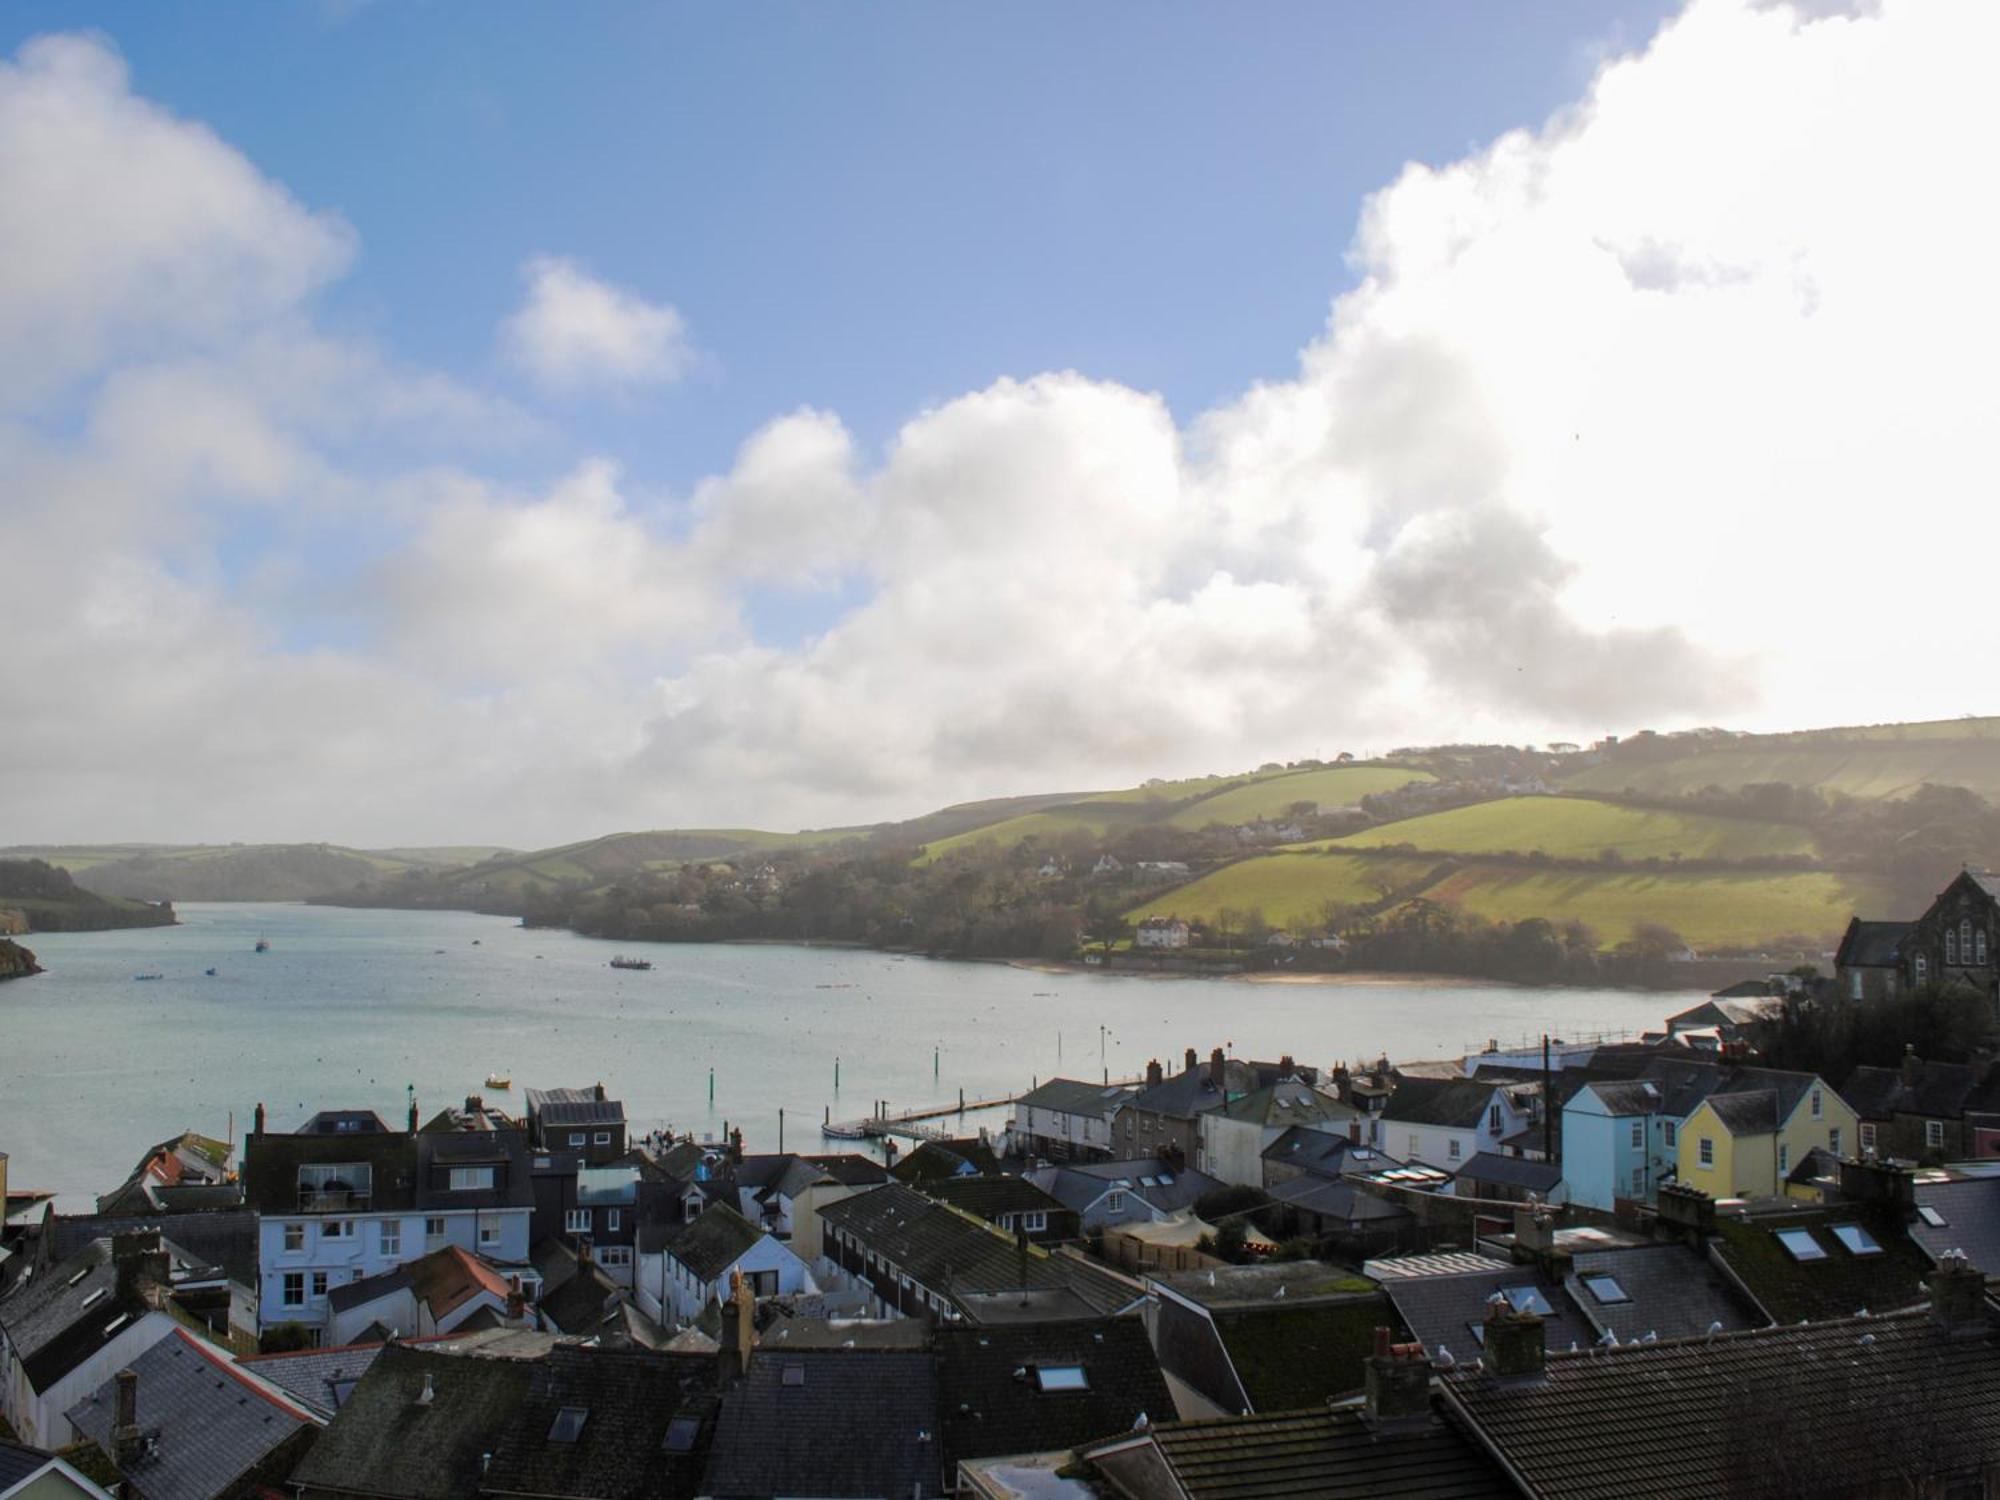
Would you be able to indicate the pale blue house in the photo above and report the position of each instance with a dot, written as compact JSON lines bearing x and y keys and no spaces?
{"x":1616,"y":1142}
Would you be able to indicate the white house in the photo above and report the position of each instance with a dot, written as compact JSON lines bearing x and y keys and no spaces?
{"x":429,"y":1296}
{"x":76,"y":1325}
{"x":1067,"y":1117}
{"x":1161,"y":932}
{"x":1233,"y":1137}
{"x":1445,"y":1122}
{"x":344,"y":1198}
{"x":692,"y":1269}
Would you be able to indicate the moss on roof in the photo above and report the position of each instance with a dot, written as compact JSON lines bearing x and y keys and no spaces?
{"x":1299,"y":1355}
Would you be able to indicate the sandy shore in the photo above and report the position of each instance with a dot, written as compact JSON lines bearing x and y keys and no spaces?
{"x":1265,"y":976}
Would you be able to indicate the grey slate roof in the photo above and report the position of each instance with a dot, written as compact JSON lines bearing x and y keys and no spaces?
{"x":1074,"y":1096}
{"x":1192,"y":1093}
{"x":1332,"y":1198}
{"x":1872,"y":945}
{"x":1626,"y":1096}
{"x":1838,"y":1283}
{"x":1513,"y":1171}
{"x":1454,"y":1103}
{"x":384,"y":1442}
{"x":355,"y":1293}
{"x":859,"y":1422}
{"x":1855,"y":1405}
{"x":1971,"y":1214}
{"x":226,"y":1239}
{"x":714,"y":1242}
{"x":1446,"y":1310}
{"x":1935,"y":1089}
{"x":991,"y":1403}
{"x":17,"y":1462}
{"x":573,"y":1107}
{"x":631,"y":1399}
{"x":57,"y":1321}
{"x":1289,"y":1102}
{"x":1328,"y":1452}
{"x":990,"y":1197}
{"x":1675,"y":1293}
{"x":1751,"y":1113}
{"x":319,"y":1378}
{"x":1077,"y":1185}
{"x":1329,"y":1153}
{"x":213,"y":1424}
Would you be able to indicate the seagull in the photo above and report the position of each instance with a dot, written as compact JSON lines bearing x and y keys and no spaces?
{"x":1652,"y":1336}
{"x":1609,"y":1341}
{"x":1444,"y":1360}
{"x":1715,"y":1328}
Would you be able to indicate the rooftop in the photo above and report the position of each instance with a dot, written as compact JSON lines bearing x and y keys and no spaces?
{"x":1030,"y":1388}
{"x":829,"y":1422}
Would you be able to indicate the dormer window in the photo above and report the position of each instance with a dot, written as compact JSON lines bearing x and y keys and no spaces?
{"x":471,"y":1179}
{"x":568,"y":1425}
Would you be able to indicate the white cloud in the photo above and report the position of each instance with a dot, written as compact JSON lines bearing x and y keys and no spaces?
{"x":575,"y":332}
{"x":1676,"y":409}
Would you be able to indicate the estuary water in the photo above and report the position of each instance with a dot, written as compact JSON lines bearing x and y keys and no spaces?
{"x":352,"y":1008}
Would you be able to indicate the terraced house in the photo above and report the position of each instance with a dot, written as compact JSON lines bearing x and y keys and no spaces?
{"x":344,"y":1198}
{"x":1745,"y":1139}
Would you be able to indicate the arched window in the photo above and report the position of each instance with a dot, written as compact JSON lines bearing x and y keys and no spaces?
{"x":1921,"y":968}
{"x":1950,"y":946}
{"x":1965,"y":940}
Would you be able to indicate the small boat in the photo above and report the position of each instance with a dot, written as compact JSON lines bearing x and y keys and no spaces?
{"x":499,"y":1081}
{"x":622,"y":962}
{"x":209,"y":972}
{"x":263,"y":945}
{"x":843,"y":1132}
{"x":149,"y":976}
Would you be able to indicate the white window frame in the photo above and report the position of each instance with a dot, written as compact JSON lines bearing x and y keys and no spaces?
{"x":389,"y":1241}
{"x":1784,"y":1158}
{"x":489,"y":1232}
{"x":295,"y":1238}
{"x":611,"y":1217}
{"x":1867,"y":1135}
{"x":1114,"y":1202}
{"x":435,"y":1227}
{"x":1833,"y":1140}
{"x":471,"y":1179}
{"x":601,"y":1138}
{"x":1705,"y":1152}
{"x":1639,"y":1132}
{"x":1934,"y":1135}
{"x":1035,"y":1221}
{"x":336,"y":1229}
{"x":614,"y":1255}
{"x":576,"y":1137}
{"x":317,"y":1291}
{"x":1453,"y":1148}
{"x":576,"y":1221}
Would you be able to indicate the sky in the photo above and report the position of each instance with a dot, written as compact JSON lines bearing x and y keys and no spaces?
{"x":632,"y":416}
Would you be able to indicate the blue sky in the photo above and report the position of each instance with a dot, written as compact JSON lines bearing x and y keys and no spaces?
{"x":868,"y":209}
{"x":512,"y":423}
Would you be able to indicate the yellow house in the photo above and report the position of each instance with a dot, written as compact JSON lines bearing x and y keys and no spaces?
{"x":1744,"y":1143}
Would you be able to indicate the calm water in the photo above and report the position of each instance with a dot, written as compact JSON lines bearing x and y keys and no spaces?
{"x":349,"y":1007}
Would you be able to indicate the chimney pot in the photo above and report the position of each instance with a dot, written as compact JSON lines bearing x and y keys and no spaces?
{"x":1217,"y":1071}
{"x":1154,"y":1074}
{"x":1287,"y":1067}
{"x":1958,"y":1295}
{"x":260,"y":1117}
{"x":1515,"y":1342}
{"x":598,"y":1091}
{"x":1398,"y":1384}
{"x":413,"y":1114}
{"x":1191,"y":1059}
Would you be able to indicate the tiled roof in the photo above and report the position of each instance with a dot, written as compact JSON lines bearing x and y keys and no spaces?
{"x":271,"y":1165}
{"x":1287,"y":1355}
{"x":581,"y":1303}
{"x":829,"y":1422}
{"x":1873,"y":945}
{"x":1971,"y":1214}
{"x":1627,"y":1097}
{"x":58,"y":1320}
{"x":227,"y":1239}
{"x":1856,"y":1405}
{"x":1329,"y":1452}
{"x":1075,"y":1096}
{"x":574,"y":1107}
{"x":1449,"y":1312}
{"x":1513,"y":1171}
{"x":1454,"y":1103}
{"x":17,"y":1462}
{"x":1191,"y":1092}
{"x":448,"y":1278}
{"x":211,"y":1421}
{"x":1935,"y":1089}
{"x":1289,"y":1103}
{"x":991,"y":1399}
{"x":935,"y":1159}
{"x":1158,"y":1182}
{"x":319,"y":1378}
{"x":851,"y":1169}
{"x":386,"y":1442}
{"x":1837,"y":1283}
{"x":1753,"y":1113}
{"x":1332,"y":1198}
{"x":1670,"y":1291}
{"x":714,"y":1242}
{"x":990,"y":1197}
{"x":353,"y":1294}
{"x":631,"y":1400}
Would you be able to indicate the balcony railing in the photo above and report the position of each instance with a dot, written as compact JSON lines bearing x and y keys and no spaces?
{"x":331,"y":1200}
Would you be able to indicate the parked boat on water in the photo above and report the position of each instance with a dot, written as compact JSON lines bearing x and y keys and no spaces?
{"x":622,"y":962}
{"x":263,"y":945}
{"x":148,"y":976}
{"x":499,"y":1081}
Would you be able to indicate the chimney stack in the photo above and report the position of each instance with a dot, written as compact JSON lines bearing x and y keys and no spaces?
{"x":1217,"y":1074}
{"x":1154,"y":1075}
{"x":1688,"y":1209}
{"x":1883,"y":1182}
{"x":1354,"y":1130}
{"x":1515,"y":1342}
{"x":598,"y":1093}
{"x":1191,"y":1060}
{"x":1286,"y":1067}
{"x":1958,"y":1295}
{"x":1398,"y":1383}
{"x":739,"y":1331}
{"x":517,"y":1300}
{"x":260,"y":1117}
{"x":125,"y":1432}
{"x":413,"y":1114}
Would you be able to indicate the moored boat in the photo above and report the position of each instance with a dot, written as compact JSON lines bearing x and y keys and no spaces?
{"x":263,"y":945}
{"x":499,"y":1081}
{"x":622,"y":962}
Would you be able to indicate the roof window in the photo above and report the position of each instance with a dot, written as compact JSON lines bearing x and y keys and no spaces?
{"x":794,"y":1374}
{"x":1061,"y":1378}
{"x":1857,"y":1240}
{"x":568,"y":1425}
{"x":91,"y":1299}
{"x":116,"y":1323}
{"x":681,"y":1433}
{"x":1800,"y":1245}
{"x":1931,"y":1216}
{"x":1605,"y":1288}
{"x":1527,"y":1299}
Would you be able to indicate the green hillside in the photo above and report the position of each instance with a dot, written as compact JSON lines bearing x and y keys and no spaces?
{"x":1290,"y":889}
{"x":615,"y":856}
{"x":1270,"y":796}
{"x":1879,"y":761}
{"x":1580,"y":828}
{"x":36,"y":896}
{"x":217,"y":872}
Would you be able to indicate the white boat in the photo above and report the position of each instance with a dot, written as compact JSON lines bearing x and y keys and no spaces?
{"x":499,"y":1081}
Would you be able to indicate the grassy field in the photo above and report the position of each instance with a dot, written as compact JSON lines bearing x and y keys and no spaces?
{"x":1089,"y":817}
{"x":1288,"y":888}
{"x":1577,"y":828}
{"x":1876,"y":764}
{"x":1268,"y":796}
{"x":1709,"y":910}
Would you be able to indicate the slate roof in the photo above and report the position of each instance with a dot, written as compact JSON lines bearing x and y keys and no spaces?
{"x":1872,"y":945}
{"x":1971,"y":1214}
{"x":581,"y":1303}
{"x":317,"y":1378}
{"x":1842,"y":1406}
{"x":714,"y":1242}
{"x":1450,"y":1311}
{"x":58,"y":1320}
{"x":1076,"y":1096}
{"x":226,"y":1239}
{"x":631,"y":1399}
{"x":1079,"y":1185}
{"x":1191,"y":1092}
{"x":990,"y":1197}
{"x":1328,"y":1153}
{"x":1329,"y":1452}
{"x":1620,"y":1098}
{"x":849,"y":1422}
{"x":384,"y":1442}
{"x":1752,"y":1113}
{"x":18,"y":1461}
{"x":850,"y":1169}
{"x":271,"y":1163}
{"x":1332,"y":1198}
{"x":1289,"y":1103}
{"x":991,"y":1404}
{"x":1837,"y":1286}
{"x":572,"y":1107}
{"x":1542,"y":1177}
{"x":213,"y":1422}
{"x":1938,"y":1090}
{"x":353,"y":1294}
{"x":1288,"y":1354}
{"x":1673,"y":1291}
{"x":1453,"y":1103}
{"x":504,"y":1150}
{"x":935,"y":1159}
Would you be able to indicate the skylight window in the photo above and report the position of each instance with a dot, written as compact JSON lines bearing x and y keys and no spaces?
{"x":1857,"y":1240}
{"x":794,"y":1374}
{"x":1605,"y":1288}
{"x":1061,"y":1378}
{"x":1166,"y":1179}
{"x":681,"y":1433}
{"x":1931,"y":1216}
{"x":1801,"y":1245}
{"x":116,"y":1323}
{"x":1527,"y":1299}
{"x":568,"y":1425}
